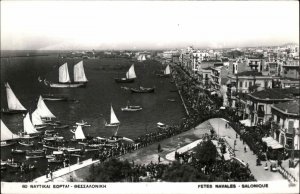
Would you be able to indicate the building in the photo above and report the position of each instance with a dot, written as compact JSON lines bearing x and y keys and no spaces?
{"x":259,"y":103}
{"x":243,"y":81}
{"x":285,"y":125}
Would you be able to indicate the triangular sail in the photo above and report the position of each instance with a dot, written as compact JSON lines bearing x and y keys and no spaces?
{"x":131,"y":73}
{"x":79,"y":75}
{"x":12,"y":101}
{"x":167,"y":70}
{"x":6,"y":134}
{"x":36,"y":118}
{"x":113,"y":117}
{"x":64,"y":76}
{"x":43,"y":110}
{"x":28,"y":126}
{"x":79,"y":133}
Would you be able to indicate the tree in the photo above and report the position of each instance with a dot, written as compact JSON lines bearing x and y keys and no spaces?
{"x":206,"y":152}
{"x":183,"y":173}
{"x":112,"y":170}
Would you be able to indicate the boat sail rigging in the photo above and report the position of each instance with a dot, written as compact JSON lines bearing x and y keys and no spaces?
{"x":79,"y":74}
{"x":42,"y":110}
{"x":28,"y":126}
{"x":6,"y":134}
{"x":130,"y":76}
{"x":113,"y":119}
{"x":64,"y":80}
{"x":63,"y":75}
{"x":167,"y":70}
{"x":13,"y":103}
{"x":79,"y":133}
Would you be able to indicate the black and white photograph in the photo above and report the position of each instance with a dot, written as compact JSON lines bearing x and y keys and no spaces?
{"x":149,"y":96}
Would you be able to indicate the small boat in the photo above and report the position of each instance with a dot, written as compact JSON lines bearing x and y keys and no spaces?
{"x":54,"y":97}
{"x":131,"y":108}
{"x":64,"y":80}
{"x":51,"y":147}
{"x":55,"y":160}
{"x":142,"y":90}
{"x":16,"y":151}
{"x":171,"y":100}
{"x":28,"y":144}
{"x":61,"y":127}
{"x":7,"y":136}
{"x":114,"y":122}
{"x":13,"y":164}
{"x":130,"y":76}
{"x":167,"y":72}
{"x":6,"y":143}
{"x":34,"y":156}
{"x":161,"y":125}
{"x":35,"y":151}
{"x":13,"y":103}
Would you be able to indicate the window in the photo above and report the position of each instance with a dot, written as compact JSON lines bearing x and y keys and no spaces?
{"x":241,"y":84}
{"x":246,"y":84}
{"x":250,"y":84}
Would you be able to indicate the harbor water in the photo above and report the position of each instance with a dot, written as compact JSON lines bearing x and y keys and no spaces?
{"x":91,"y":104}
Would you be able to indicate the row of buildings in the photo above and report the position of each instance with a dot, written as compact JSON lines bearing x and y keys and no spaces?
{"x":261,"y":84}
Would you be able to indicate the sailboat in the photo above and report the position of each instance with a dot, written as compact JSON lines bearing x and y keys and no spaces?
{"x":43,"y":111}
{"x":29,"y":130}
{"x":64,"y":80}
{"x":167,"y":72}
{"x":130,"y":76}
{"x":114,"y":122}
{"x":78,"y":133}
{"x":7,"y":136}
{"x":14,"y":105}
{"x":37,"y":120}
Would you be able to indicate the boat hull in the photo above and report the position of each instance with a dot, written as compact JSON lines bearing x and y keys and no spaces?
{"x":124,"y":80}
{"x":112,"y":124}
{"x":131,"y":109}
{"x":4,"y":144}
{"x":54,"y":98}
{"x":26,"y":144}
{"x":148,"y":90}
{"x":7,"y":111}
{"x":67,"y":85}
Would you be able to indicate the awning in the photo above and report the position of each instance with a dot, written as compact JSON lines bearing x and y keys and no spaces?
{"x":272,"y":143}
{"x":246,"y":122}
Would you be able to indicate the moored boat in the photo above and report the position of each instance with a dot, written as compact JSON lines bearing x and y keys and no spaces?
{"x":54,"y":97}
{"x":61,"y":127}
{"x":142,"y":90}
{"x":161,"y":125}
{"x":130,"y":76}
{"x":7,"y":137}
{"x":17,"y":151}
{"x":167,"y":72}
{"x":34,"y":156}
{"x":131,"y":108}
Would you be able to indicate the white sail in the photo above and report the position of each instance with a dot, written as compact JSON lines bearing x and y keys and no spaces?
{"x":12,"y":101}
{"x":43,"y":110}
{"x":113,"y":117}
{"x":79,"y":133}
{"x":6,"y":134}
{"x":36,"y":118}
{"x":28,"y":126}
{"x":79,"y":75}
{"x":131,"y":73}
{"x":167,"y":70}
{"x":64,"y":76}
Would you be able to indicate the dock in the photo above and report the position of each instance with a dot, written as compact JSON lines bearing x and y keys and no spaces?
{"x":58,"y":175}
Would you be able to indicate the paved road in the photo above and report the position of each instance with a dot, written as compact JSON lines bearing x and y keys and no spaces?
{"x":248,"y":157}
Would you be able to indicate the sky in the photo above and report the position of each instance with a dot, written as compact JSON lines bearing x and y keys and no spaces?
{"x":70,"y":25}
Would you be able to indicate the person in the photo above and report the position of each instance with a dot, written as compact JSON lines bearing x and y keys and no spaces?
{"x":236,"y":136}
{"x":158,"y":148}
{"x":51,"y":174}
{"x":245,"y":149}
{"x":158,"y":158}
{"x":266,"y":166}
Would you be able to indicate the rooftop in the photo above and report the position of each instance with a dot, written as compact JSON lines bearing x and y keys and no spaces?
{"x":289,"y":107}
{"x":249,"y":73}
{"x":276,"y":93}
